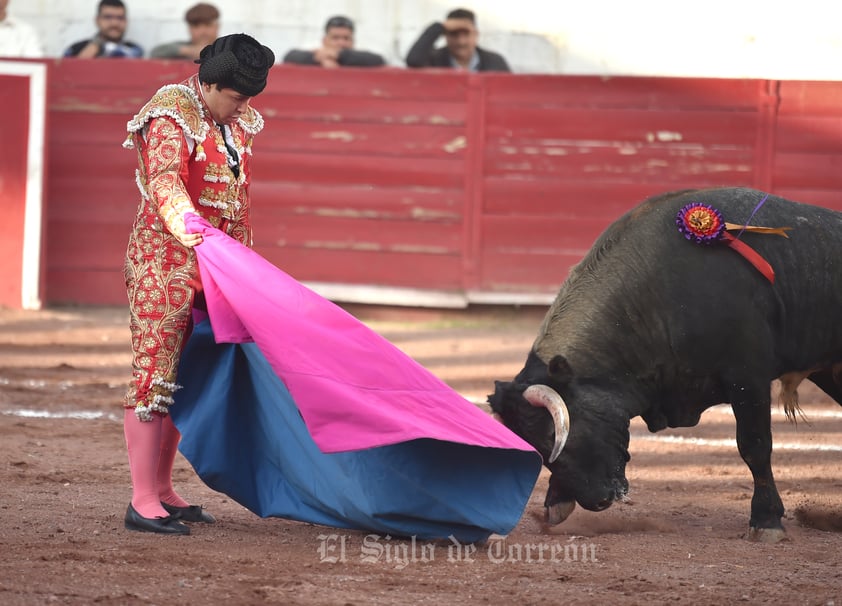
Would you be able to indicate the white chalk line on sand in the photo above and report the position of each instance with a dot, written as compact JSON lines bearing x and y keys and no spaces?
{"x":84,"y":415}
{"x":778,"y":412}
{"x":725,"y":409}
{"x":666,"y":439}
{"x":730,"y":443}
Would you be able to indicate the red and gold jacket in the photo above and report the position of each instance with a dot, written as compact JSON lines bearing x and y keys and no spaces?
{"x":183,"y":167}
{"x":183,"y":162}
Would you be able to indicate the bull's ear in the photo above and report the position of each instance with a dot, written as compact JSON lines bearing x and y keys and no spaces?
{"x":496,"y":399}
{"x":559,"y":369}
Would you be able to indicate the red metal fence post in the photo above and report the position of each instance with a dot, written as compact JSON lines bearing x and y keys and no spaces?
{"x":474,"y":177}
{"x":767,"y":116}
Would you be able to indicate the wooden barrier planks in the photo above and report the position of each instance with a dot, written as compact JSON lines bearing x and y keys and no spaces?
{"x":488,"y":187}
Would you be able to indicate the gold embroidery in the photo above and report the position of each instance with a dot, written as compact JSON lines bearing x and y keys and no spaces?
{"x":251,"y":122}
{"x":181,"y":103}
{"x":160,"y":273}
{"x":217,"y":173}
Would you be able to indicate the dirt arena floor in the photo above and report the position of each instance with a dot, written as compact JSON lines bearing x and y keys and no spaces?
{"x":64,"y":487}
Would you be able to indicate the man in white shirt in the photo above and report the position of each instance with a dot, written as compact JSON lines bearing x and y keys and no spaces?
{"x":17,"y":39}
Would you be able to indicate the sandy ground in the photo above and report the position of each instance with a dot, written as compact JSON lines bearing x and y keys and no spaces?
{"x":64,"y":486}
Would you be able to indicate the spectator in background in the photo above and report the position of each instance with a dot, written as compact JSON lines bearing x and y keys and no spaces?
{"x":17,"y":39}
{"x":111,"y":22}
{"x":461,"y":52}
{"x":203,"y":24}
{"x":337,"y":48}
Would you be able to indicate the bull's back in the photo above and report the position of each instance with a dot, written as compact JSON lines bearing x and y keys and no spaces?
{"x":644,"y":286}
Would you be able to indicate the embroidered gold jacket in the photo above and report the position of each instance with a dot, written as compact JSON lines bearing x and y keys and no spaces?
{"x":183,"y":164}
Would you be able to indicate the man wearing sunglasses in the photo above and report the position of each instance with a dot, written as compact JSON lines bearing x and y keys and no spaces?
{"x":111,"y":22}
{"x":461,"y":51}
{"x":337,"y":49}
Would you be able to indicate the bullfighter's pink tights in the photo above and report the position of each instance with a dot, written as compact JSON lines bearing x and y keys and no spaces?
{"x":169,"y":448}
{"x":152,"y":447}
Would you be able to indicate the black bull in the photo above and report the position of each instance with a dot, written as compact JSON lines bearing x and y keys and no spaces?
{"x":653,"y":324}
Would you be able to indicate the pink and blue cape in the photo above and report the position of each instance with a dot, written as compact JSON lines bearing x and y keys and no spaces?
{"x":295,"y":409}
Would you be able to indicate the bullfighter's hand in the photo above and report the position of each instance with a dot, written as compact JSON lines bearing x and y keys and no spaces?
{"x":182,"y":235}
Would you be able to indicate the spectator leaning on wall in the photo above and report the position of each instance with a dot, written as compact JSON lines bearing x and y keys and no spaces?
{"x":17,"y":39}
{"x":203,"y":24}
{"x":111,"y":22}
{"x":337,"y":49}
{"x":461,"y":52}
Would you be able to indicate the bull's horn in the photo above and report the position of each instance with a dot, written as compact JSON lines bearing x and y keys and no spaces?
{"x":547,"y":397}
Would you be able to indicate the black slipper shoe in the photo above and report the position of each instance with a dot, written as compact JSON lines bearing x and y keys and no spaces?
{"x":191,"y":513}
{"x":167,"y":525}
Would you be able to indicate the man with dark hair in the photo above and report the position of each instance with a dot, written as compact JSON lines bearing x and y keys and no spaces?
{"x":337,"y":48}
{"x":461,"y":51}
{"x":202,"y":23}
{"x":194,"y":146}
{"x":111,"y":22}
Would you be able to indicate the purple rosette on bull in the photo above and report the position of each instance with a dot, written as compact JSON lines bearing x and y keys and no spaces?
{"x":700,"y":222}
{"x":703,"y":224}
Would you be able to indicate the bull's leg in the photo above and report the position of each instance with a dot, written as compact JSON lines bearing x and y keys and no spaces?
{"x":754,"y":440}
{"x":827,"y":383}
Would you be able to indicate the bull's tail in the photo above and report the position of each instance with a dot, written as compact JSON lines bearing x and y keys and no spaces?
{"x":788,"y":396}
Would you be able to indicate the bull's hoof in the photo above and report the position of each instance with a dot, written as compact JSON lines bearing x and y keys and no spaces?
{"x":767,"y":535}
{"x":556,"y":514}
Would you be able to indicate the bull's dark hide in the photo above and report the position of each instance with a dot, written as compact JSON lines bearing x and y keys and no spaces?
{"x":653,"y":324}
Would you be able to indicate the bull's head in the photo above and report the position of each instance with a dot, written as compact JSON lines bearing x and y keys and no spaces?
{"x":582,"y":435}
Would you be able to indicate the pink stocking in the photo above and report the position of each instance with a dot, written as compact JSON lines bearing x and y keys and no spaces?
{"x":169,"y":448}
{"x":143,"y":441}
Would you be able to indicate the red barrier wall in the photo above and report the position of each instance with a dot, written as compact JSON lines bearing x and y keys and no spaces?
{"x":14,"y":97}
{"x":22,"y":129}
{"x":436,"y":187}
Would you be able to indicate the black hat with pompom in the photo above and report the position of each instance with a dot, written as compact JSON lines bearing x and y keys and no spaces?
{"x":236,"y":61}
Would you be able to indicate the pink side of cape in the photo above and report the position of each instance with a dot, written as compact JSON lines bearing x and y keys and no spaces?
{"x":354,"y":389}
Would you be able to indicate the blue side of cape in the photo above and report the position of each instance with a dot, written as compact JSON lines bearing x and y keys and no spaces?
{"x":243,"y":434}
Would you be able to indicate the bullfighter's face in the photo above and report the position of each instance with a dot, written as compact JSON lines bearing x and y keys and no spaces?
{"x":226,"y":105}
{"x":590,"y":469}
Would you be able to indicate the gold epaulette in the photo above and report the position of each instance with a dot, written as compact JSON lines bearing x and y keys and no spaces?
{"x":180,"y":103}
{"x":251,"y":121}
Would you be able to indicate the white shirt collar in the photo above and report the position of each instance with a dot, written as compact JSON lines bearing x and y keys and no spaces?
{"x":473,"y":64}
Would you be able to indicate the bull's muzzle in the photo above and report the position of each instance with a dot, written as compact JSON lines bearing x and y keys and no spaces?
{"x":547,"y":397}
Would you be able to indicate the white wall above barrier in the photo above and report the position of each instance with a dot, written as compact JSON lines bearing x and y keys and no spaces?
{"x":718,"y":38}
